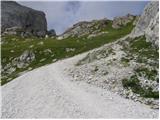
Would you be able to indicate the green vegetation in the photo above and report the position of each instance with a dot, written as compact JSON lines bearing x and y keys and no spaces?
{"x":134,"y":84}
{"x":125,"y":61}
{"x":14,"y":46}
{"x":142,"y":52}
{"x":149,"y":74}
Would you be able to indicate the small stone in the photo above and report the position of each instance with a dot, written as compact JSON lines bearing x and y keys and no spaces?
{"x":41,"y":43}
{"x":12,"y":51}
{"x":54,"y":60}
{"x":42,"y":59}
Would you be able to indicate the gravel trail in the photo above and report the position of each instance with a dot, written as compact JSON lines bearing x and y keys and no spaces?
{"x":48,"y":92}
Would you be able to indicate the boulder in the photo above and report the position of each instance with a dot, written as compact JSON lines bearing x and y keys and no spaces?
{"x":24,"y":60}
{"x":27,"y":20}
{"x":51,"y":33}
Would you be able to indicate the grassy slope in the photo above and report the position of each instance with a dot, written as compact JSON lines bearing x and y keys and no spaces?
{"x":58,"y":47}
{"x":145,"y":54}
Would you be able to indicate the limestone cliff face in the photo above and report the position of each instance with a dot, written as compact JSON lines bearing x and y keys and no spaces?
{"x":148,"y":23}
{"x":15,"y":16}
{"x":152,"y":32}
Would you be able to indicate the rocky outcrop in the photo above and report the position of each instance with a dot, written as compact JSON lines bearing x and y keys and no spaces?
{"x":24,"y":60}
{"x":152,"y":31}
{"x":119,"y":22}
{"x":51,"y":33}
{"x":20,"y":62}
{"x":16,"y":19}
{"x":85,"y":28}
{"x":148,"y":23}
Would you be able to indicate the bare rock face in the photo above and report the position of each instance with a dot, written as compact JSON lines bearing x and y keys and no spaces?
{"x":20,"y":19}
{"x":148,"y":23}
{"x":118,"y":22}
{"x":152,"y":32}
{"x":85,"y":28}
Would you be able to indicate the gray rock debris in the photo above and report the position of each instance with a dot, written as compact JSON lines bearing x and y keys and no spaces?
{"x":103,"y":67}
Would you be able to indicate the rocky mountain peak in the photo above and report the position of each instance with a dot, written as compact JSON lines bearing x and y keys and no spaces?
{"x":20,"y":19}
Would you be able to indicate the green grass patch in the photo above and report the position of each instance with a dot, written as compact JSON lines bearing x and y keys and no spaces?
{"x":134,"y":85}
{"x":125,"y":61}
{"x":149,"y":74}
{"x":143,"y":49}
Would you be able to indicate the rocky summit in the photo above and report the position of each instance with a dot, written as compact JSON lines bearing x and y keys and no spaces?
{"x":18,"y":19}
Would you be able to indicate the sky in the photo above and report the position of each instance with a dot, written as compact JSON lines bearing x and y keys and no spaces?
{"x":63,"y":14}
